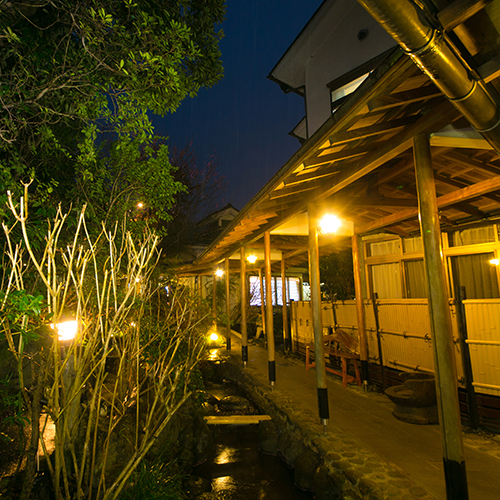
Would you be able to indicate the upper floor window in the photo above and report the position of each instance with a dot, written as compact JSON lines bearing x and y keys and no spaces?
{"x":338,"y":95}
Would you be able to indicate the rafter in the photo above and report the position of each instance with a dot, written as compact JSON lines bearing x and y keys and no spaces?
{"x":461,"y":195}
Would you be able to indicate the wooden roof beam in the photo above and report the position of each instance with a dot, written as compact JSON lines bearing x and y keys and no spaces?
{"x":404,"y":98}
{"x":480,"y":189}
{"x":459,"y":11}
{"x":434,"y":120}
{"x":379,"y":128}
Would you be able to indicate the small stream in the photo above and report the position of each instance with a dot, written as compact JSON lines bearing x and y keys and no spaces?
{"x":238,"y":470}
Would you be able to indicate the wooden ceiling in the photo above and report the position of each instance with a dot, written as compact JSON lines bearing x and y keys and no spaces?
{"x":360,"y":165}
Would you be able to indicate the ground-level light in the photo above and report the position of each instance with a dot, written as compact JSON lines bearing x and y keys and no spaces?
{"x":66,"y":329}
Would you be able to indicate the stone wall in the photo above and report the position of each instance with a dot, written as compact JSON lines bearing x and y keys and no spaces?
{"x":333,"y":465}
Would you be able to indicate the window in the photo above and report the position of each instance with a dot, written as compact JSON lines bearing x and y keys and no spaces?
{"x":472,"y":236}
{"x":415,"y":281}
{"x":293,"y":290}
{"x":386,"y":280}
{"x":339,"y":94}
{"x":386,"y":247}
{"x":477,"y":275}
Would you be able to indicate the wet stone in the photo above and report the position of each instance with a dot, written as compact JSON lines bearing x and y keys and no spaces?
{"x":367,"y":486}
{"x":268,"y":437}
{"x":332,"y":456}
{"x":326,"y":486}
{"x":234,"y":403}
{"x":348,"y":454}
{"x":305,"y":468}
{"x":196,"y":485}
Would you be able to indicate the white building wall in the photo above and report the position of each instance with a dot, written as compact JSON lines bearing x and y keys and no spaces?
{"x":337,"y":51}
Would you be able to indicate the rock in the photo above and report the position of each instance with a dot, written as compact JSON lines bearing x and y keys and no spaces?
{"x":290,"y":446}
{"x":268,"y":437}
{"x":205,"y":443}
{"x":325,"y":486}
{"x":206,"y":397}
{"x":196,"y":485}
{"x":186,"y":459}
{"x":208,"y":409}
{"x":305,"y":468}
{"x":234,"y":403}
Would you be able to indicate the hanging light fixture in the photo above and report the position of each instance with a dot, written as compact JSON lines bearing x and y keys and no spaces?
{"x":329,"y":224}
{"x":252,"y":257}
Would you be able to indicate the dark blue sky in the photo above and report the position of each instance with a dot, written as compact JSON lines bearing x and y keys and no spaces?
{"x":245,"y":119}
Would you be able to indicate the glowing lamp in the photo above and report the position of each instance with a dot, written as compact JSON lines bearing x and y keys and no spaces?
{"x":219,"y":273}
{"x":329,"y":224}
{"x":494,"y":262}
{"x":252,"y":258}
{"x":214,"y":337}
{"x":66,"y":330}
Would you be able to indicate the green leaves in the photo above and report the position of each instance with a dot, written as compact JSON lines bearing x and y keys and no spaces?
{"x":68,"y":71}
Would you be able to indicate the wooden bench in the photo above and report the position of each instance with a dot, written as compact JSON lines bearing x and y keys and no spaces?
{"x":340,"y":339}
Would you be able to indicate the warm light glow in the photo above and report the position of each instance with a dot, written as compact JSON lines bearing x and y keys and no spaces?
{"x":252,"y":258}
{"x":329,"y":224}
{"x":214,"y":337}
{"x":494,"y":262}
{"x":219,"y":273}
{"x":140,"y":205}
{"x":66,"y":330}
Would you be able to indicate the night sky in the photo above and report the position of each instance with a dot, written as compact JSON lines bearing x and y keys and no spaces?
{"x":245,"y":119}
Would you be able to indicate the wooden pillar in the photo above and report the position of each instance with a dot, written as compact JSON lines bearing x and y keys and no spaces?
{"x":228,"y":308}
{"x":286,"y":336}
{"x":269,"y":309}
{"x":314,"y":281}
{"x":360,"y":311}
{"x":214,"y":298}
{"x":262,"y":303}
{"x":439,"y":313}
{"x":200,"y":287}
{"x":244,"y":300}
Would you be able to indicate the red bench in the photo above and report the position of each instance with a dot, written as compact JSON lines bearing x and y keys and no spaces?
{"x":332,"y":347}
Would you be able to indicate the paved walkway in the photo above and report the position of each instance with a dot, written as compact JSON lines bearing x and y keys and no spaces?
{"x":367,"y":417}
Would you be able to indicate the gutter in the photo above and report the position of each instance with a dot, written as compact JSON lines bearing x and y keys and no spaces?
{"x":434,"y":54}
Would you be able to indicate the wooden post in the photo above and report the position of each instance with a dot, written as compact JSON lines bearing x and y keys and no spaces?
{"x":286,"y":337}
{"x":269,"y":309}
{"x":262,"y":303}
{"x":243,"y":300}
{"x":214,"y":299}
{"x":315,"y":282}
{"x":228,"y":308}
{"x":439,"y":313}
{"x":360,"y":312}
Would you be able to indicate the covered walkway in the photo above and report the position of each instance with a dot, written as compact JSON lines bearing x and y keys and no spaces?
{"x":366,"y":419}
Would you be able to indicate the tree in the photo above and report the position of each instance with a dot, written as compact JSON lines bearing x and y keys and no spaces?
{"x":68,"y":67}
{"x":337,"y":275}
{"x":204,"y":192}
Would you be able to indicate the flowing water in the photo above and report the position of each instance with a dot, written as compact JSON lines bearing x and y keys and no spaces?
{"x":238,"y":470}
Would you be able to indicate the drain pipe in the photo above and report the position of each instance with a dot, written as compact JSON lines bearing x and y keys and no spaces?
{"x":434,"y":54}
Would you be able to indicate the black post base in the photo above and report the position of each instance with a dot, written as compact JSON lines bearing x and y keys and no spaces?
{"x":324,"y":412}
{"x":456,"y":480}
{"x":272,"y":371}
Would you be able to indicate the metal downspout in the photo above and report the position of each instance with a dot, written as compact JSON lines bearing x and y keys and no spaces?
{"x":434,"y":54}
